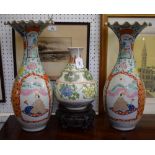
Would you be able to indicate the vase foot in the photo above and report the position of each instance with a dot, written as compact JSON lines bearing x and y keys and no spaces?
{"x":35,"y":129}
{"x":124,"y":128}
{"x":75,"y":107}
{"x":79,"y":108}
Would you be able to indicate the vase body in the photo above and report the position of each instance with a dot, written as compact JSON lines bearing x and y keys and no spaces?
{"x":75,"y":88}
{"x":124,"y":92}
{"x":31,"y":92}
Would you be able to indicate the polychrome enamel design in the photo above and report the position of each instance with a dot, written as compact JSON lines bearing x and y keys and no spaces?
{"x":124,"y":92}
{"x":31,"y":93}
{"x":75,"y":88}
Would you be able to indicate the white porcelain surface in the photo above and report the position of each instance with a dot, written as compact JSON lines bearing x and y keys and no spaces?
{"x":124,"y":92}
{"x":31,"y":92}
{"x":76,"y":87}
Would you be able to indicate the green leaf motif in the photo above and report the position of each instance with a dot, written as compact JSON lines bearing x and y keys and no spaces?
{"x":71,"y":77}
{"x":87,"y":75}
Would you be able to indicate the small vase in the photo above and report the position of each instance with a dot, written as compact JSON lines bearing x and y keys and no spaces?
{"x":31,"y":92}
{"x":124,"y":92}
{"x":75,"y":88}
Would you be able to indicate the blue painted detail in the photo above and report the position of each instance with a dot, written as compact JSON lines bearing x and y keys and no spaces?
{"x":28,"y":109}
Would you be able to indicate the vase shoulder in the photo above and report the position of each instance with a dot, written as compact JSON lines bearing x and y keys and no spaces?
{"x":30,"y":67}
{"x":73,"y":74}
{"x":126,"y":66}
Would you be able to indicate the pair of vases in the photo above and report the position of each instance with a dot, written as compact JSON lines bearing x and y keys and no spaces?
{"x":124,"y":92}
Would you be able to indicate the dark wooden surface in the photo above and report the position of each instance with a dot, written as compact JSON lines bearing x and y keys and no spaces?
{"x":101,"y":130}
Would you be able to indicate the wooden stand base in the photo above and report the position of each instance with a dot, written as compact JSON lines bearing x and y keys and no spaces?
{"x":76,"y":118}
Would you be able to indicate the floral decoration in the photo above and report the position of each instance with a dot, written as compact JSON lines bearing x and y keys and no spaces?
{"x":89,"y":91}
{"x":69,"y":91}
{"x":71,"y":76}
{"x":87,"y":75}
{"x":31,"y":66}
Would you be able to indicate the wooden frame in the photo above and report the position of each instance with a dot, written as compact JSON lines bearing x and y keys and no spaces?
{"x":2,"y":79}
{"x":103,"y":51}
{"x":57,"y":35}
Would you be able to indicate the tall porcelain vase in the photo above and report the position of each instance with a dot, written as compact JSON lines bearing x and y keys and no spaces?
{"x":75,"y":88}
{"x":31,"y":92}
{"x":124,"y":92}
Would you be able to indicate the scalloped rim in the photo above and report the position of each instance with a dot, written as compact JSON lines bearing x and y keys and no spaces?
{"x":50,"y":21}
{"x":127,"y":23}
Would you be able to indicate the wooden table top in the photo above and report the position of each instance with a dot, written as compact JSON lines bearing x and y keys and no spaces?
{"x":101,"y":130}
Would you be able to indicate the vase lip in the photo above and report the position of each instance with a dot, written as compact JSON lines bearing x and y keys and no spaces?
{"x":71,"y":48}
{"x":29,"y":22}
{"x":24,"y":27}
{"x":128,"y":24}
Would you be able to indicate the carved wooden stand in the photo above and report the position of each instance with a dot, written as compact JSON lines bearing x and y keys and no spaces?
{"x":75,"y":119}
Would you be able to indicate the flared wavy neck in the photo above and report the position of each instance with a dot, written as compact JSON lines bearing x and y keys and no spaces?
{"x":24,"y":27}
{"x":127,"y":34}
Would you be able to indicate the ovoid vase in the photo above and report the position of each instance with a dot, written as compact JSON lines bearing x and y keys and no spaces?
{"x":124,"y":92}
{"x":31,"y":92}
{"x":75,"y":88}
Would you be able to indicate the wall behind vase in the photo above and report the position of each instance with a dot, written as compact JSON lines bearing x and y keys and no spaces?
{"x":7,"y":51}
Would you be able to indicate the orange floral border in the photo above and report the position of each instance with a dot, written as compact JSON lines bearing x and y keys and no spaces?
{"x":141,"y":95}
{"x":16,"y":95}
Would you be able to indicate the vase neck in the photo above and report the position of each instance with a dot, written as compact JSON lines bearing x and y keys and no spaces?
{"x":126,"y":42}
{"x":31,"y":60}
{"x":125,"y":61}
{"x":31,"y":45}
{"x":126,"y":34}
{"x":74,"y":54}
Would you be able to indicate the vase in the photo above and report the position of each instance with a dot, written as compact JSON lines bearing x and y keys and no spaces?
{"x":75,"y":88}
{"x":31,"y":93}
{"x":124,"y":92}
